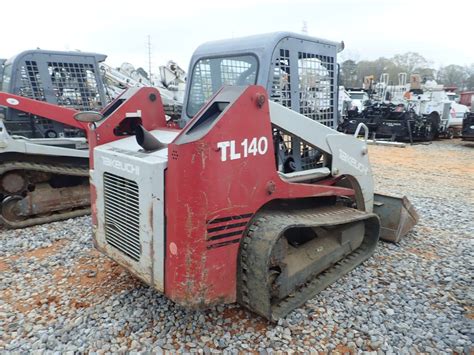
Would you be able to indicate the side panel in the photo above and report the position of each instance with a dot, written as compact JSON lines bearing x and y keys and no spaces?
{"x":129,"y":225}
{"x":220,"y":172}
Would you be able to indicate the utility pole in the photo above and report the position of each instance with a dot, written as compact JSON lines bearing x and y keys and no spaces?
{"x":149,"y":58}
{"x":304,"y":29}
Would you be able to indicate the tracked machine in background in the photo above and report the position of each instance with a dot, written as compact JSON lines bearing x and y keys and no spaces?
{"x":468,"y":127}
{"x":395,"y":122}
{"x":403,"y":112}
{"x":43,"y":150}
{"x":257,"y":199}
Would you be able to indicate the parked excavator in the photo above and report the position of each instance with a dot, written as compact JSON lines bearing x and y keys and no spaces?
{"x":257,"y":199}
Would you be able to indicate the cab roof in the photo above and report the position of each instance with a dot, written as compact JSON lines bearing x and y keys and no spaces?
{"x":257,"y":43}
{"x":99,"y":57}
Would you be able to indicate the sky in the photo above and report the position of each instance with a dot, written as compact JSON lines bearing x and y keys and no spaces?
{"x":441,"y":31}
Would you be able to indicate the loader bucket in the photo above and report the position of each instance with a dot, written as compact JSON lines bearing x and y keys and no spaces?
{"x":397,"y":216}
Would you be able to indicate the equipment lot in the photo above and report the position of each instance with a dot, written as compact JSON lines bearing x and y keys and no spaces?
{"x":57,"y":292}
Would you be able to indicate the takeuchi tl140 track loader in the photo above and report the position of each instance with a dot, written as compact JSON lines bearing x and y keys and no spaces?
{"x":251,"y":201}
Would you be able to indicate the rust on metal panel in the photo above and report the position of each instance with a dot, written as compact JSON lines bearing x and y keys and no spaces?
{"x":188,"y":281}
{"x":189,"y":221}
{"x":202,"y":149}
{"x":150,"y":216}
{"x":45,"y":199}
{"x":122,"y":260}
{"x":152,"y":242}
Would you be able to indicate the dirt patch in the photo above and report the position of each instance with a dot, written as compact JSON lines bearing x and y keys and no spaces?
{"x":425,"y":254}
{"x":92,"y":278}
{"x":342,"y":349}
{"x":469,"y":312}
{"x":4,"y":266}
{"x":19,"y":305}
{"x":39,"y":254}
{"x":95,"y":275}
{"x":423,"y":160}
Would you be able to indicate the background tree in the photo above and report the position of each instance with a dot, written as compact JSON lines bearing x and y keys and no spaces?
{"x":349,"y":73}
{"x":353,"y":71}
{"x":453,"y":75}
{"x":470,"y":78}
{"x":411,"y":62}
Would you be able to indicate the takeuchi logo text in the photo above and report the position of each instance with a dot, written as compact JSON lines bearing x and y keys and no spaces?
{"x":353,"y":162}
{"x":120,"y":165}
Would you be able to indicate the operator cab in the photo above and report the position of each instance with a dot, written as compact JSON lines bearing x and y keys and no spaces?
{"x":69,"y":79}
{"x":298,"y":72}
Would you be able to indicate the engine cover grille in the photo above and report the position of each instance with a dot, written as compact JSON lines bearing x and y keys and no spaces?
{"x":122,"y":215}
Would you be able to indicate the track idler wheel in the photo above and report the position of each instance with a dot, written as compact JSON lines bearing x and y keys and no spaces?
{"x":11,"y":210}
{"x":287,"y":257}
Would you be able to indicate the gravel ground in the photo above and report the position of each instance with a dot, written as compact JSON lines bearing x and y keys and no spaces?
{"x":57,"y":293}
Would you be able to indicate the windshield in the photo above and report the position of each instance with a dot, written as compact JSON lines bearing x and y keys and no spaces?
{"x":210,"y":74}
{"x":452,"y":97}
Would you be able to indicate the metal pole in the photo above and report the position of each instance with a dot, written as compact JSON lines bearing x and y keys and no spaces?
{"x":149,"y":58}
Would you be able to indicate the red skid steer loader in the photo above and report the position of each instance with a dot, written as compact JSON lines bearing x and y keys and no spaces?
{"x":251,"y":201}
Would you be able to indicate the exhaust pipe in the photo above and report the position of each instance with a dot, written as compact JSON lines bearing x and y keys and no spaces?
{"x":147,"y":141}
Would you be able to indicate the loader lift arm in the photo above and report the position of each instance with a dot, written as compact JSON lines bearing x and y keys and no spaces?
{"x":42,"y":109}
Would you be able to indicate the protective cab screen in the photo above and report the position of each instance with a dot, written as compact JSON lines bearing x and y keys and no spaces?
{"x":210,"y":74}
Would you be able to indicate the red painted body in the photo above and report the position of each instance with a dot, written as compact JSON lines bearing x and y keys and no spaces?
{"x":152,"y":114}
{"x":146,"y":100}
{"x":40,"y":108}
{"x":209,"y":202}
{"x":134,"y":100}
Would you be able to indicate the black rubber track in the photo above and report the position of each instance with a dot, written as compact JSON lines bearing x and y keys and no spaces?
{"x":48,"y":168}
{"x":253,"y":288}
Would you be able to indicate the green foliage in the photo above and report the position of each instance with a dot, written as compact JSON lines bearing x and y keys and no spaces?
{"x":453,"y":75}
{"x":353,"y":72}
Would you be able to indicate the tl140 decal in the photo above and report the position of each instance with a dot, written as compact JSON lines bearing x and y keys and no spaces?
{"x":230,"y":150}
